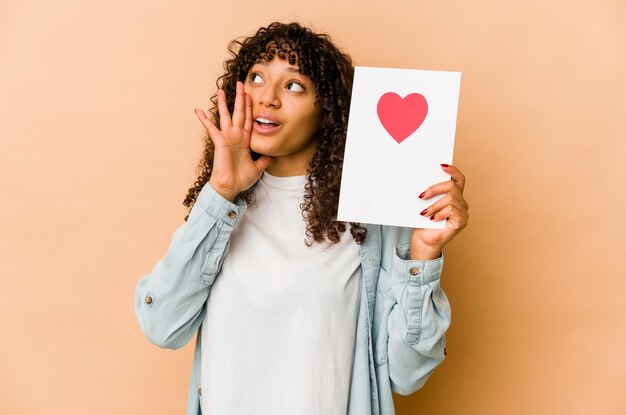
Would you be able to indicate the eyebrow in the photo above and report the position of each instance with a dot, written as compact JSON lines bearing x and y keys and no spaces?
{"x":288,"y":69}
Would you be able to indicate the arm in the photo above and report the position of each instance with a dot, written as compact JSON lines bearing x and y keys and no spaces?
{"x":421,"y":314}
{"x":417,"y":322}
{"x":169,"y":301}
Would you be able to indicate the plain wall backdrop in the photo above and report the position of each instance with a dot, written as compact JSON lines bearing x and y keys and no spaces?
{"x":99,"y":144}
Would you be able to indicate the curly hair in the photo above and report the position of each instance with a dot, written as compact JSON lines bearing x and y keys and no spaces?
{"x":331,"y":71}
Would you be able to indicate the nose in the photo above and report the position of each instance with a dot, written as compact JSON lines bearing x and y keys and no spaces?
{"x":269,"y":97}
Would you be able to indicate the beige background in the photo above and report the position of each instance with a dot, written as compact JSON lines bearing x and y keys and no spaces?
{"x":98,"y":145}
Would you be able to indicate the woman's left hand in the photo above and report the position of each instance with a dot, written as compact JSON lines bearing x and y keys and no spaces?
{"x":428,"y":243}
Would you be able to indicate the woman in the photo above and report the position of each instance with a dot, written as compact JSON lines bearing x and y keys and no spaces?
{"x":293,"y":315}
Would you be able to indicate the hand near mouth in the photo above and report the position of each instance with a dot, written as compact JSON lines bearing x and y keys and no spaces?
{"x":234,"y":170}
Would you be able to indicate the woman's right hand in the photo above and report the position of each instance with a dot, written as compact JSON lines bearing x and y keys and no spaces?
{"x":233,"y":168}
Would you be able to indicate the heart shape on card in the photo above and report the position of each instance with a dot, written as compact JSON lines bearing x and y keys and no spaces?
{"x":401,"y":117}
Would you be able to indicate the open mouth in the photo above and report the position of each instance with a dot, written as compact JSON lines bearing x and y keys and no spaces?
{"x":265,"y":123}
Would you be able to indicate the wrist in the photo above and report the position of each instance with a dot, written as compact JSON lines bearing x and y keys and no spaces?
{"x":422,"y":251}
{"x":226,"y":193}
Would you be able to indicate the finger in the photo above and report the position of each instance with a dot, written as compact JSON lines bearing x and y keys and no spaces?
{"x":204,"y":119}
{"x":262,"y":163}
{"x":442,"y":203}
{"x":457,"y":218}
{"x":214,"y":133}
{"x":440,"y":188}
{"x":238,"y":111}
{"x":453,"y":197}
{"x":456,"y":175}
{"x":225,"y":120}
{"x":247,"y":125}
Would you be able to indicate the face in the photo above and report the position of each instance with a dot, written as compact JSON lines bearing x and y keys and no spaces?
{"x":284,"y":114}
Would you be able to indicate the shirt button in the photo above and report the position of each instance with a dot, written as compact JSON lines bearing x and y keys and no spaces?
{"x":148,"y":300}
{"x":414,"y":271}
{"x":200,"y":391}
{"x":232,"y":214}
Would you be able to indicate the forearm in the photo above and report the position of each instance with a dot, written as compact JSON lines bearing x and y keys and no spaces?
{"x":169,"y":300}
{"x":417,"y":322}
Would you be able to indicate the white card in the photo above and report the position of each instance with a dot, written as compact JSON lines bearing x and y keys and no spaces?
{"x":401,"y":128}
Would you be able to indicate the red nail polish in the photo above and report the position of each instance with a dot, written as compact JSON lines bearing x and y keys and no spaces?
{"x":422,"y":195}
{"x":432,"y":217}
{"x":445,"y":165}
{"x":423,"y":212}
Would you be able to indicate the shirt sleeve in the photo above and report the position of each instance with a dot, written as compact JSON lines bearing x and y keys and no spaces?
{"x":417,"y":322}
{"x":169,"y":301}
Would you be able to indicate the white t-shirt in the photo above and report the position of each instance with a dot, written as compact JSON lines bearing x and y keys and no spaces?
{"x":279,"y":330}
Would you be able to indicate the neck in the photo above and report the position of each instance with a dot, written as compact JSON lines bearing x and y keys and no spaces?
{"x":292,"y":164}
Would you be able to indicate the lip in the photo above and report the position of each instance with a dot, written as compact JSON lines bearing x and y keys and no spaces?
{"x":265,"y":130}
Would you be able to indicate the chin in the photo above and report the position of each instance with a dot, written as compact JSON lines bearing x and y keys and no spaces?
{"x":260,"y":149}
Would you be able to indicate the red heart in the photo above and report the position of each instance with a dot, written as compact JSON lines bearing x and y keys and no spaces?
{"x":401,"y":117}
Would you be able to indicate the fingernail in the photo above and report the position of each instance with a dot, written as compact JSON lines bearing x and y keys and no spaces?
{"x":445,"y":165}
{"x":422,"y":195}
{"x":432,"y":217}
{"x":423,"y":212}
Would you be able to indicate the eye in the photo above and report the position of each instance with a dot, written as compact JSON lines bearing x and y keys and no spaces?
{"x":295,"y":86}
{"x":255,"y":78}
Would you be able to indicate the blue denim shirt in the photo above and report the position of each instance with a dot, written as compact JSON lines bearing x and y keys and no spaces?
{"x":400,"y":328}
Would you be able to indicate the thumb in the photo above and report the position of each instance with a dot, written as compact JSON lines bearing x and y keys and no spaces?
{"x":262,"y":163}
